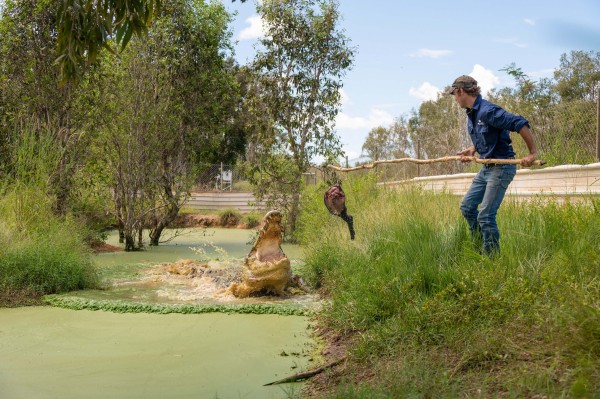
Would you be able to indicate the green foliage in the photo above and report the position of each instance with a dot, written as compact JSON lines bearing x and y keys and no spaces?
{"x":40,"y":254}
{"x":251,"y":220}
{"x":68,"y":302}
{"x":378,"y":144}
{"x":32,"y":103}
{"x":86,"y":26}
{"x":229,"y":217}
{"x":415,"y":289}
{"x":560,"y":110}
{"x":296,"y":97}
{"x":165,"y":104}
{"x":578,"y":75}
{"x":45,"y":265}
{"x":438,"y":128}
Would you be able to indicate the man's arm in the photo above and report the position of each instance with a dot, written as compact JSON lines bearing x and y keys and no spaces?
{"x":525,"y":132}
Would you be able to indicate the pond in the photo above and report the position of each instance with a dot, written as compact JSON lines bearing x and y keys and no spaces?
{"x":50,"y":352}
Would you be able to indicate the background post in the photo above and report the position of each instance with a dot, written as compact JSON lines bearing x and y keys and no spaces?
{"x":598,"y":122}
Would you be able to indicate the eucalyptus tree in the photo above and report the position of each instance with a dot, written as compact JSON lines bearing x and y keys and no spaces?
{"x":299,"y":69}
{"x":578,"y":75}
{"x":168,"y":100}
{"x":378,"y":144}
{"x":438,"y":129}
{"x":403,"y":147}
{"x":194,"y":43}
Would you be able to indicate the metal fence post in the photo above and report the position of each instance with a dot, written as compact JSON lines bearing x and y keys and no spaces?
{"x":598,"y":122}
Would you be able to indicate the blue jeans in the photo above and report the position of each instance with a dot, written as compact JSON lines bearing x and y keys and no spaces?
{"x":487,"y":192}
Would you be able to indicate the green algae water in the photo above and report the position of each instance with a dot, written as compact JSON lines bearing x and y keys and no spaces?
{"x":135,"y":278}
{"x":57,"y":353}
{"x":48,"y":352}
{"x":216,"y":243}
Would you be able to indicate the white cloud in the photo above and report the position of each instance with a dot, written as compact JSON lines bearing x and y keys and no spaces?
{"x":377,"y":117}
{"x":344,"y":98}
{"x":255,"y":30}
{"x":529,"y":21}
{"x":428,"y":53}
{"x":425,"y":92}
{"x":485,"y":78}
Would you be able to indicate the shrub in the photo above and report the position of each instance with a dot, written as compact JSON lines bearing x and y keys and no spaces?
{"x":251,"y":220}
{"x":41,"y":266}
{"x":229,"y":217}
{"x":40,"y":253}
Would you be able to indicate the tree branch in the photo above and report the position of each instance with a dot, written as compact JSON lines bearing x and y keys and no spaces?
{"x":307,"y":374}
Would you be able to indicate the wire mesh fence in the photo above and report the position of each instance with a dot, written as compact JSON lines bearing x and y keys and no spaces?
{"x":565,"y":133}
{"x":222,"y":178}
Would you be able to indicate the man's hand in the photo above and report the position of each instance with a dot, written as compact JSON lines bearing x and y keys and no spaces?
{"x":528,"y":160}
{"x":469,"y":152}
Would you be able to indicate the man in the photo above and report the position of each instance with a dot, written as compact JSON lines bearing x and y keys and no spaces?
{"x":489,"y":126}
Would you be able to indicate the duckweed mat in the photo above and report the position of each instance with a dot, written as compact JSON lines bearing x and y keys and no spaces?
{"x":78,"y":303}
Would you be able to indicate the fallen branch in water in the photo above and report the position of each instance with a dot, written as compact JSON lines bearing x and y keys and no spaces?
{"x":436,"y":160}
{"x":307,"y":374}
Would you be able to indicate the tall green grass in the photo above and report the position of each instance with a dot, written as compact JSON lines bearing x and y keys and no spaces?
{"x":39,"y":252}
{"x":416,"y":293}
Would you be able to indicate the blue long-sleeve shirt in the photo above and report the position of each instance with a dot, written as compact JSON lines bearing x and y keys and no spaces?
{"x":490,"y":126}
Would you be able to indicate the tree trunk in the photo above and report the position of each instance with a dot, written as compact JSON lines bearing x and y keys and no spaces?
{"x":129,"y":242}
{"x":119,"y":214}
{"x":140,"y":237}
{"x":161,"y":223}
{"x":121,"y":232}
{"x":294,"y":211}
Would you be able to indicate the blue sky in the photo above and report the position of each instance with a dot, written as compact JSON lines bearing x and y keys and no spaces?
{"x":408,"y":51}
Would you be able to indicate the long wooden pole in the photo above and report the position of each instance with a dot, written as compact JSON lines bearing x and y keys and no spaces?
{"x":436,"y":160}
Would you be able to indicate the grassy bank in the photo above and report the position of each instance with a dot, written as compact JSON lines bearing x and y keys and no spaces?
{"x":39,"y":253}
{"x":430,"y":317}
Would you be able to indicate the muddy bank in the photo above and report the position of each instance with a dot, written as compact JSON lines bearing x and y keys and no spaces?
{"x":198,"y":220}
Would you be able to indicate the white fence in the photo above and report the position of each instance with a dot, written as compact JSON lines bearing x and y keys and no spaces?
{"x":244,"y":202}
{"x":562,"y":182}
{"x":565,"y":181}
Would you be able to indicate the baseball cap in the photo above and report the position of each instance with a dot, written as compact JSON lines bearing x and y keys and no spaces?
{"x":462,"y":82}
